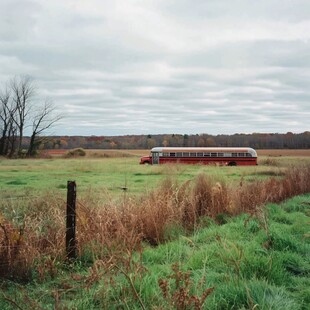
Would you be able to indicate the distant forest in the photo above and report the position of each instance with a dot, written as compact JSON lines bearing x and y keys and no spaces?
{"x":288,"y":140}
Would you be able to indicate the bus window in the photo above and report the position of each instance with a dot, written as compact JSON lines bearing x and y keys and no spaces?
{"x":220,"y":154}
{"x":172,"y":154}
{"x":206,"y":154}
{"x":234,"y":154}
{"x":213,"y":154}
{"x":241,"y":154}
{"x":248,"y":155}
{"x":165,"y":154}
{"x":185,"y":154}
{"x":179,"y":154}
{"x":199,"y":154}
{"x":192,"y":154}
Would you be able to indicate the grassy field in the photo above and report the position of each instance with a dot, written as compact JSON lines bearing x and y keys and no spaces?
{"x":109,"y":171}
{"x":250,"y":262}
{"x":180,"y":237}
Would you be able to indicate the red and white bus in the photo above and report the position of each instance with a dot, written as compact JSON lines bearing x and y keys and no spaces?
{"x":226,"y":156}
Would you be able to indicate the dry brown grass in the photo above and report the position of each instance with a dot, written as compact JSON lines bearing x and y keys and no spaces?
{"x":143,"y":152}
{"x":119,"y":153}
{"x":284,"y":152}
{"x":176,"y":290}
{"x":40,"y":234}
{"x":147,"y":218}
{"x":95,"y":153}
{"x":106,"y":231}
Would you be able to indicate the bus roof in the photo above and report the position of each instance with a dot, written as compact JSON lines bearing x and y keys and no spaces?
{"x":205,"y":149}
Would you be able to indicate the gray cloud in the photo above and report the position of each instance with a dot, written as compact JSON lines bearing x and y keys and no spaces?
{"x":157,"y":66}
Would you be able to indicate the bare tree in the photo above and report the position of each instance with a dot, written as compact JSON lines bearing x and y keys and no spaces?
{"x":23,"y":92}
{"x":4,"y":119}
{"x":19,"y":109}
{"x":7,"y":123}
{"x":44,"y":118}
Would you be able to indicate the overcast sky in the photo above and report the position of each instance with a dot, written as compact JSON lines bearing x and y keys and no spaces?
{"x":116,"y":67}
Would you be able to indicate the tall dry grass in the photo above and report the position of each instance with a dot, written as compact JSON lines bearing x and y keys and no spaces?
{"x":104,"y":232}
{"x":37,"y":233}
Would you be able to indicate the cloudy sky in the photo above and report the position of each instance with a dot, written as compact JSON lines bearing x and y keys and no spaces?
{"x":116,"y":67}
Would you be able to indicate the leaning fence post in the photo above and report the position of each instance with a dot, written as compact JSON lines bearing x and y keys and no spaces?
{"x":71,"y":249}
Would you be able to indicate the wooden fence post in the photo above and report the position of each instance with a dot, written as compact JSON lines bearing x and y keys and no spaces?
{"x":71,"y":249}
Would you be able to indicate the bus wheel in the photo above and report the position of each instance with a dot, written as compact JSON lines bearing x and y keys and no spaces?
{"x":232,"y":163}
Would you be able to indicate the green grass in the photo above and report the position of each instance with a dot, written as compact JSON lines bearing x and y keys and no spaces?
{"x":18,"y":177}
{"x":260,"y":262}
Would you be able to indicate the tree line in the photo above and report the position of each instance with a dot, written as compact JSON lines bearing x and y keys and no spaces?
{"x":21,"y":109}
{"x":287,"y":140}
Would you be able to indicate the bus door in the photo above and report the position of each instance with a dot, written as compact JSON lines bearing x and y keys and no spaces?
{"x":155,"y":158}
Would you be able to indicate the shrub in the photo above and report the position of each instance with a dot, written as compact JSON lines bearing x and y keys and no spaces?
{"x":78,"y":152}
{"x":269,"y":162}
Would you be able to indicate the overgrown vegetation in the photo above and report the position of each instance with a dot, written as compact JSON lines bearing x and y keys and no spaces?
{"x":257,"y":259}
{"x":78,"y":152}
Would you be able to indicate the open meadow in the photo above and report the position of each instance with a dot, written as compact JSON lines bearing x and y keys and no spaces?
{"x":108,"y":171}
{"x":156,"y":237}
